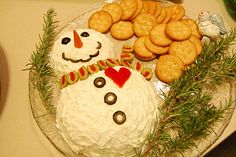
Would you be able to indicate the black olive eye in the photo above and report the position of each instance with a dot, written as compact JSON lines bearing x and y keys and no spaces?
{"x":84,"y":34}
{"x":110,"y":98}
{"x":99,"y":82}
{"x":65,"y":40}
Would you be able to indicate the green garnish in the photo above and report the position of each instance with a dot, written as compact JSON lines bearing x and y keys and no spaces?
{"x":187,"y":110}
{"x":39,"y":61}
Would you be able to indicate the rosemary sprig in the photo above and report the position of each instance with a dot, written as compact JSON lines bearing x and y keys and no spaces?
{"x":188,"y":115}
{"x":39,"y":61}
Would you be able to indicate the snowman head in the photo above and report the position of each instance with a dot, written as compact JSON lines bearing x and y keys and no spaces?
{"x":109,"y":114}
{"x":75,"y":48}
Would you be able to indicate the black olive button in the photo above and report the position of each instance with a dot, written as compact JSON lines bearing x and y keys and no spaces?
{"x":119,"y":117}
{"x":110,"y":98}
{"x":99,"y":82}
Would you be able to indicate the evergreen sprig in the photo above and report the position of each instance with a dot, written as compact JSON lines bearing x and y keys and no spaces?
{"x":188,"y":114}
{"x":39,"y":61}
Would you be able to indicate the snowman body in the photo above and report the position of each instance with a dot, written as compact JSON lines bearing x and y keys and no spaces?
{"x":88,"y":123}
{"x":108,"y":120}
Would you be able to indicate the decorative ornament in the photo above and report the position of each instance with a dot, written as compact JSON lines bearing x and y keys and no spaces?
{"x":211,"y":25}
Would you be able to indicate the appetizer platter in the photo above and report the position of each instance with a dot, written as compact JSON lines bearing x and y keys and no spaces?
{"x":166,"y":83}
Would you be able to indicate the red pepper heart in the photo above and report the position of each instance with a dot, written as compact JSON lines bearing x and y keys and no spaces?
{"x":119,"y":77}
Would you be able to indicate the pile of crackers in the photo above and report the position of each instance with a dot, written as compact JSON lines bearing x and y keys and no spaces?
{"x":162,"y":32}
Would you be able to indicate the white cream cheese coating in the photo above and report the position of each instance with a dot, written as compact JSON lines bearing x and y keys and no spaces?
{"x":86,"y":121}
{"x":62,"y":66}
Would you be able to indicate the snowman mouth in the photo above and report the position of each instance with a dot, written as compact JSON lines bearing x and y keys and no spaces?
{"x":81,"y":59}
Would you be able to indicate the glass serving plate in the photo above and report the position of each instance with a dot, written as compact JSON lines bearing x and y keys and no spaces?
{"x":47,"y":122}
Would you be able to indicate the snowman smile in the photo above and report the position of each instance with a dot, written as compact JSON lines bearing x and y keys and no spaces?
{"x":81,"y":59}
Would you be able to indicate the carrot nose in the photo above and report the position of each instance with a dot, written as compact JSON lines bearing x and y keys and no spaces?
{"x":77,"y":41}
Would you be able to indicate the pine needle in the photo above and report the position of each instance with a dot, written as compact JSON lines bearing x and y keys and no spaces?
{"x":39,"y":61}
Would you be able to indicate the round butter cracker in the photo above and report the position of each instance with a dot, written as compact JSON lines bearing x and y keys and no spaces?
{"x":122,"y":30}
{"x":100,"y":21}
{"x":129,"y":8}
{"x":143,"y":24}
{"x":158,"y":36}
{"x":138,"y":9}
{"x":140,"y":50}
{"x":169,"y":68}
{"x":152,"y":7}
{"x":197,"y":42}
{"x":178,"y":12}
{"x":185,"y":50}
{"x":178,"y":30}
{"x":168,"y":15}
{"x":154,"y":48}
{"x":115,"y":10}
{"x":158,"y":10}
{"x":193,"y":25}
{"x":145,"y":7}
{"x":162,"y":15}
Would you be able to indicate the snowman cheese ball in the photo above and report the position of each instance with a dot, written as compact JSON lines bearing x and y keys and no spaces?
{"x":79,"y":47}
{"x":109,"y":114}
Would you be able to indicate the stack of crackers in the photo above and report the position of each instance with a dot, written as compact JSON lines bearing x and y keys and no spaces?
{"x":162,"y":32}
